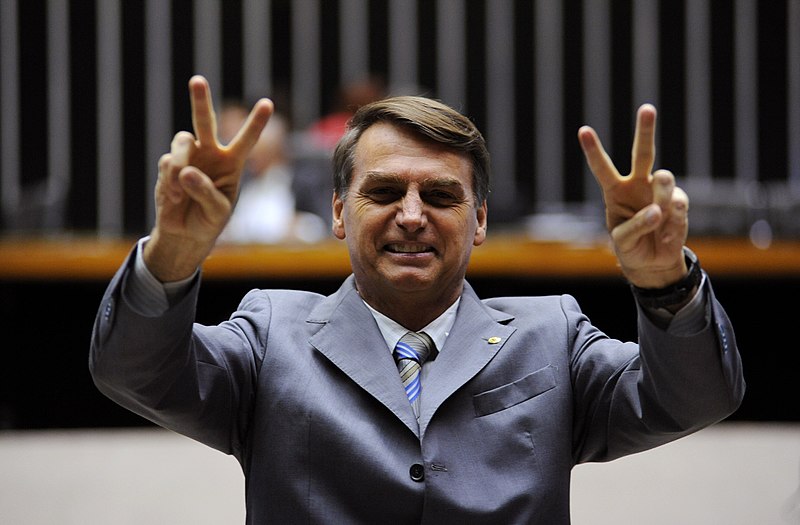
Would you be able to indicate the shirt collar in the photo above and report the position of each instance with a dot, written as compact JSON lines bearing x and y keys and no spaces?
{"x":438,"y":329}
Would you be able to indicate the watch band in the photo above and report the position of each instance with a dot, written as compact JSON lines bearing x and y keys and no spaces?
{"x":673,"y":294}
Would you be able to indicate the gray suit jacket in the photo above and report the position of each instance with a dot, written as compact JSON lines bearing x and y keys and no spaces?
{"x":302,"y":390}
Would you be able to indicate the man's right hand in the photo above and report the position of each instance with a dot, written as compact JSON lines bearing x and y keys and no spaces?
{"x":198,"y":183}
{"x":646,"y":213}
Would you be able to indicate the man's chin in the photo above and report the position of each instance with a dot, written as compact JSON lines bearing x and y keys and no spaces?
{"x":412,"y":280}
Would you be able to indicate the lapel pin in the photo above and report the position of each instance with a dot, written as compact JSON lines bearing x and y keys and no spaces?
{"x":494,"y":340}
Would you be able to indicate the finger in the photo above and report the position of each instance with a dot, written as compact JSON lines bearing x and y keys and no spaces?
{"x":676,"y":227}
{"x":644,"y":144}
{"x":181,"y":147}
{"x":203,"y":117}
{"x":249,"y":133}
{"x":167,"y":183}
{"x":663,"y":186}
{"x":680,"y":204}
{"x":673,"y":203}
{"x":170,"y":164}
{"x":199,"y":187}
{"x":161,"y":190}
{"x":598,"y":160}
{"x":627,"y":234}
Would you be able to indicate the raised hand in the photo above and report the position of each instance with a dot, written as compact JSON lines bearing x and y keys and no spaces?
{"x":646,"y":213}
{"x":198,"y":183}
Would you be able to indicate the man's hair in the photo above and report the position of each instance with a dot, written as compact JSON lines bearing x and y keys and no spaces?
{"x":429,"y":119}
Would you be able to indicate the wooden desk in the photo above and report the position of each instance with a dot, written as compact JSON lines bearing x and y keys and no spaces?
{"x":82,"y":258}
{"x":50,"y":290}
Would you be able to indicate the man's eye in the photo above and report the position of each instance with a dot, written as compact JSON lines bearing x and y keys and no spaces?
{"x":382,"y":194}
{"x":441,"y":197}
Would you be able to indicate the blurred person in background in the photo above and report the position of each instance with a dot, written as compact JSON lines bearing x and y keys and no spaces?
{"x":313,"y":146}
{"x":325,"y":132}
{"x":266,"y":211}
{"x":231,"y":116}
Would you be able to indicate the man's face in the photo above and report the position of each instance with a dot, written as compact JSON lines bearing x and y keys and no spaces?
{"x":410,"y":218}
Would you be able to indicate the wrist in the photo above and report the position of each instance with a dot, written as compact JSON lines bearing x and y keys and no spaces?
{"x":172,"y":258}
{"x":675,"y":295}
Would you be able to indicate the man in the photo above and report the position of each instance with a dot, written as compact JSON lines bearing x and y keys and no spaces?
{"x":304,"y":390}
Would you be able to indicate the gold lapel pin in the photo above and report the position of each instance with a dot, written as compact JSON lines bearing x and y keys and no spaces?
{"x":494,"y":340}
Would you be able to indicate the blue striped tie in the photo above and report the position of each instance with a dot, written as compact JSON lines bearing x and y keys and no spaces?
{"x":412,"y":350}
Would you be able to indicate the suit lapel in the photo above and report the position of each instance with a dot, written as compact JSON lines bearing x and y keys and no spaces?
{"x":478,"y":334}
{"x":351,"y":340}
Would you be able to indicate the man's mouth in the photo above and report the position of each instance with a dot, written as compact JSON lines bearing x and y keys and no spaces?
{"x":408,"y":248}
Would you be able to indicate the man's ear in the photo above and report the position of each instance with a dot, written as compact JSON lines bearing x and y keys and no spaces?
{"x":480,"y":231}
{"x":337,"y":207}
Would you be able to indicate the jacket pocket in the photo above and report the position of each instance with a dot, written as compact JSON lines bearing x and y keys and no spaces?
{"x":515,"y":393}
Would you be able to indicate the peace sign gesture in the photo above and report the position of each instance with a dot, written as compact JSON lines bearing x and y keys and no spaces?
{"x":198,"y":183}
{"x":646,"y":214}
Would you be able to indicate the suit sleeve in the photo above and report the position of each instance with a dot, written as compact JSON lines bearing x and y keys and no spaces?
{"x":630,"y":398}
{"x":192,"y":379}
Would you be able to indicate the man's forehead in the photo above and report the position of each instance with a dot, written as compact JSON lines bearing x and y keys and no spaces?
{"x":384,"y":143}
{"x":377,"y":132}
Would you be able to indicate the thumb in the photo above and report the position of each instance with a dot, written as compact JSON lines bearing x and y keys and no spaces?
{"x":198,"y":186}
{"x":627,"y":234}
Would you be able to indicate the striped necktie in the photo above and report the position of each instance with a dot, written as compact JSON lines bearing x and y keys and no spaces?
{"x":411,"y":351}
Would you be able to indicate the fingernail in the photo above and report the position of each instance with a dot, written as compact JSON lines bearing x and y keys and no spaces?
{"x":651,"y":216}
{"x":191,"y":178}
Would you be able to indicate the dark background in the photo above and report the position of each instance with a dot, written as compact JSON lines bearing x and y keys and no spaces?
{"x":45,"y":383}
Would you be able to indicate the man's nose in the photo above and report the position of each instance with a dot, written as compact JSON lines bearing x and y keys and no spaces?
{"x":411,"y":215}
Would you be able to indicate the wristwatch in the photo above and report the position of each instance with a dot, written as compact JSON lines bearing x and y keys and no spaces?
{"x":675,"y":293}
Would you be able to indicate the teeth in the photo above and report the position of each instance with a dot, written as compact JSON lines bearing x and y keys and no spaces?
{"x":404,"y":248}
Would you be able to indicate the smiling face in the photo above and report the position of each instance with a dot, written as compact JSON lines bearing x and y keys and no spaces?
{"x":409,"y":219}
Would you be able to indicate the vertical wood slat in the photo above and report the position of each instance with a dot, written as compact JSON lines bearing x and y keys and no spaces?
{"x":745,"y":92}
{"x":109,"y":108}
{"x":549,"y":90}
{"x":646,"y":56}
{"x":10,"y":114}
{"x":306,"y":75}
{"x":354,"y":45}
{"x":451,"y":43}
{"x":645,"y":60}
{"x":403,"y":61}
{"x":698,"y":91}
{"x":500,"y":115}
{"x":597,"y":81}
{"x":208,"y":42}
{"x":793,"y":76}
{"x":59,"y":158}
{"x":257,"y":60}
{"x":158,"y":24}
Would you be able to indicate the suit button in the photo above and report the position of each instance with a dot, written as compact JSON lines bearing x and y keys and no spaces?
{"x":417,"y":472}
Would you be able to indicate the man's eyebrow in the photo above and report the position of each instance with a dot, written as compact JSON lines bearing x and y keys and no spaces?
{"x":382,"y":176}
{"x":442,"y":182}
{"x":394,"y":178}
